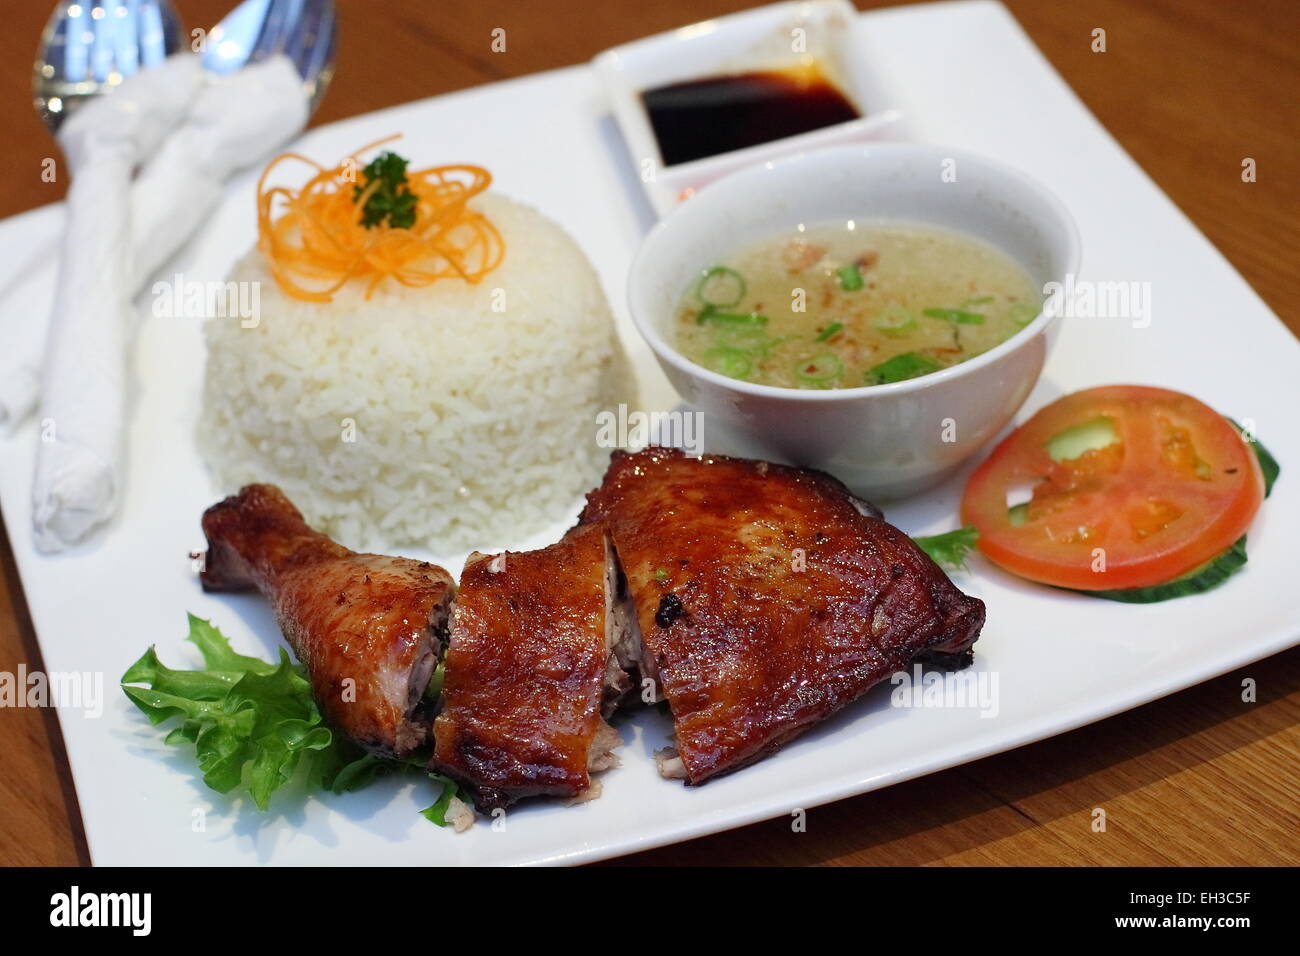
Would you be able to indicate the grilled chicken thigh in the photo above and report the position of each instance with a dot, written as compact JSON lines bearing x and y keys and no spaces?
{"x":766,"y":598}
{"x":529,"y":672}
{"x":366,"y":627}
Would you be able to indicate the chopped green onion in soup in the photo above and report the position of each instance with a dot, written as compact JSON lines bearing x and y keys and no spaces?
{"x":819,"y":370}
{"x":833,"y":307}
{"x":902,"y":367}
{"x":720,"y":287}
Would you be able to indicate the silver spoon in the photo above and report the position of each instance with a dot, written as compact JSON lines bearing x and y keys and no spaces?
{"x":89,"y":46}
{"x":299,"y":31}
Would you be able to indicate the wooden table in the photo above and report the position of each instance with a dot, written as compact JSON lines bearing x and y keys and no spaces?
{"x":1190,"y":87}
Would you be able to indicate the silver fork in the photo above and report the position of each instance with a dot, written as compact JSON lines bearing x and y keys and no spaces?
{"x":303,"y":30}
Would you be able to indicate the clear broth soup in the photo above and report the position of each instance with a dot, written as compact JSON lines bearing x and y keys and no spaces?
{"x":845,"y":305}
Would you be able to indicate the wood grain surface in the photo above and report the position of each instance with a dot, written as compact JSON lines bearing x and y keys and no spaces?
{"x":1190,"y":88}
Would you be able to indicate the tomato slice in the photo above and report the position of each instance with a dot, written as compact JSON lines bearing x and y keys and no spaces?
{"x":1175,"y":487}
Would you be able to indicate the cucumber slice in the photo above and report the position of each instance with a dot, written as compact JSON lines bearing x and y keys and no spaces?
{"x":1089,"y":436}
{"x":1267,"y":463}
{"x":1196,"y":581}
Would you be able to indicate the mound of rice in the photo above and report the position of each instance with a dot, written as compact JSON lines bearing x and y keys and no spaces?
{"x":423,"y":416}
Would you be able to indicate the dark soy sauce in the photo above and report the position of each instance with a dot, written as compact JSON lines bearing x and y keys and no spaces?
{"x":717,"y":114}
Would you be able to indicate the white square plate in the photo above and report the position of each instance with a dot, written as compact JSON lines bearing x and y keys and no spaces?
{"x":963,"y":74}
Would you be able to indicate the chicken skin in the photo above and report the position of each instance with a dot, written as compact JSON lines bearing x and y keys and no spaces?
{"x":766,"y":598}
{"x":529,"y":673}
{"x":366,"y":627}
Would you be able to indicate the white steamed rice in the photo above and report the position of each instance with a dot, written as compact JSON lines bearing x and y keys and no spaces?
{"x":471,"y":426}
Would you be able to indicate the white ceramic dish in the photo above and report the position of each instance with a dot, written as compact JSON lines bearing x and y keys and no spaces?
{"x":1061,"y":660}
{"x":766,"y":38}
{"x":884,"y":441}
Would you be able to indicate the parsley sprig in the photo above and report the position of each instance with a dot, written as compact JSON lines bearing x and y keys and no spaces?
{"x":389,"y":200}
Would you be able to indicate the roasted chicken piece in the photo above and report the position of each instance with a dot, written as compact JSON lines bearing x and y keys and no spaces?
{"x":368,"y":628}
{"x":530,"y":675}
{"x":766,"y":597}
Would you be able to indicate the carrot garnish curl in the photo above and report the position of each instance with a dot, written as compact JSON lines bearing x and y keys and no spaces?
{"x":314,"y":242}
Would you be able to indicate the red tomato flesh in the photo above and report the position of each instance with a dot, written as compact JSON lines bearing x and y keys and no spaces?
{"x":1176,"y":488}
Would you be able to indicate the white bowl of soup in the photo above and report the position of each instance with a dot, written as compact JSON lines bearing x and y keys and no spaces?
{"x":873,"y":311}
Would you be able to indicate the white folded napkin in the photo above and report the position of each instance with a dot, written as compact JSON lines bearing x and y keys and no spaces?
{"x":25,"y":304}
{"x":112,"y":246}
{"x":238,"y":121}
{"x":82,"y":406}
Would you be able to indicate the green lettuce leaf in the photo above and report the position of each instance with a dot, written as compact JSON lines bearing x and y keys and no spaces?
{"x":252,"y":724}
{"x":437,"y":813}
{"x":949,"y":550}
